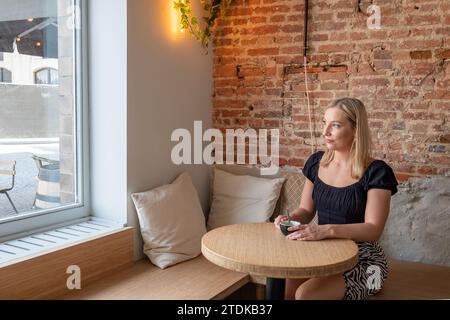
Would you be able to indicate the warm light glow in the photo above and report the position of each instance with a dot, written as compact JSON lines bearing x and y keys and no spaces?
{"x":30,"y":19}
{"x":38,"y":44}
{"x":175,"y":22}
{"x":18,"y":39}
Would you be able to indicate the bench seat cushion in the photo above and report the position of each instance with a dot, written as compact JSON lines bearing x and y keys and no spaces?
{"x":196,"y":279}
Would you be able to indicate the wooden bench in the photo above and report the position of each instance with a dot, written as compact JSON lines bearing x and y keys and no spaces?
{"x":198,"y":279}
{"x":408,"y":281}
{"x":415,"y":281}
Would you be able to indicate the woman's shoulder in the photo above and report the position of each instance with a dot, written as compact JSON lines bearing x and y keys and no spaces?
{"x":317,"y":156}
{"x":311,"y":166}
{"x":377,"y":164}
{"x":380,"y":175}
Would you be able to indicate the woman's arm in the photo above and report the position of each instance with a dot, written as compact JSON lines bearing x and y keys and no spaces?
{"x":377,"y":211}
{"x":306,"y":211}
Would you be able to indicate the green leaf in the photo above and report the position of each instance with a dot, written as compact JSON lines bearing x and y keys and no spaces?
{"x":213,"y":8}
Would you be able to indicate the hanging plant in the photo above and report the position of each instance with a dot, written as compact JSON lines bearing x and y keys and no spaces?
{"x":213,"y":8}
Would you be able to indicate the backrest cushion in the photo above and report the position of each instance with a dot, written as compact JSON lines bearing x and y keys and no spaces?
{"x":242,"y":198}
{"x":171,"y":221}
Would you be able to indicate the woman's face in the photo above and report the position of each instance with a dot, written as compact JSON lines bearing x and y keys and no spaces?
{"x":338,"y":131}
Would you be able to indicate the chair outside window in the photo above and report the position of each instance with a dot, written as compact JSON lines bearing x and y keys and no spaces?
{"x":11,"y":172}
{"x":48,"y":188}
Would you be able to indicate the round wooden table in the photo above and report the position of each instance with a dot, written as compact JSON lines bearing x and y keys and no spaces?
{"x":261,"y":249}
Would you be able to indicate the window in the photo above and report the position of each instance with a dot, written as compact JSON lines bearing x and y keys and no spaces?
{"x":43,"y":139}
{"x":46,"y":76}
{"x":5,"y":75}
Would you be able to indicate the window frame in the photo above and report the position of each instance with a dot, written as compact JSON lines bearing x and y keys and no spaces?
{"x":42,"y":220}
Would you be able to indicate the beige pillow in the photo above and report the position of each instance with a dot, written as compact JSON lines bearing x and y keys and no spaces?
{"x":242,"y":199}
{"x":172,"y":222}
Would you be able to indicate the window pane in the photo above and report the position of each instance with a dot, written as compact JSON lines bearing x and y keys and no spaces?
{"x":41,"y":77}
{"x":5,"y":75}
{"x":46,"y":76}
{"x":39,"y":132}
{"x":53,"y":76}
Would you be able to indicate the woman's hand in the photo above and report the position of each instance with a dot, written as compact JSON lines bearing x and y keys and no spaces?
{"x":309,"y":232}
{"x":279,"y":220}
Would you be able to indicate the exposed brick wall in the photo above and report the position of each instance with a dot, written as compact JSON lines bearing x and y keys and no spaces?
{"x":401,"y":72}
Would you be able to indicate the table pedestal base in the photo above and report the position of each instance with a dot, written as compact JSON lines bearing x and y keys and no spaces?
{"x":275,"y":289}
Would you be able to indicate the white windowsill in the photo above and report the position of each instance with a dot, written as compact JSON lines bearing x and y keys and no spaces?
{"x":58,"y":237}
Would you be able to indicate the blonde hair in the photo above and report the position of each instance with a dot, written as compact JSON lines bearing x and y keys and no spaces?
{"x":360,"y":152}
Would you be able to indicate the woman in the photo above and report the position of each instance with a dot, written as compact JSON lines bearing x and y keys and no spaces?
{"x":351,"y":193}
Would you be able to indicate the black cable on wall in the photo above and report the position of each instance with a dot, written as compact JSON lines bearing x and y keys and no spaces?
{"x":305,"y":32}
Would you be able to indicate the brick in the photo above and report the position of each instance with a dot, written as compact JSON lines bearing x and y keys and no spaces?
{"x":262,"y":51}
{"x":424,"y":54}
{"x":382,"y":64}
{"x":258,"y":19}
{"x":336,"y":48}
{"x":404,"y":177}
{"x":420,"y":44}
{"x":266,"y":29}
{"x":278,"y":18}
{"x":272,"y":9}
{"x":296,"y":162}
{"x":332,"y":76}
{"x":334,"y":86}
{"x":443,"y":54}
{"x":234,"y":113}
{"x":240,"y":11}
{"x":437,"y":148}
{"x":225,"y":70}
{"x":423,"y":20}
{"x":438,"y":94}
{"x":225,"y":51}
{"x":318,"y":37}
{"x":358,"y":36}
{"x":370,"y":82}
{"x":288,"y":50}
{"x":426,"y":170}
{"x":292,"y":28}
{"x":440,"y":159}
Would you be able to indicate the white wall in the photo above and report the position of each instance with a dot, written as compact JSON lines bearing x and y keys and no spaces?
{"x":108,"y":108}
{"x":144,"y":84}
{"x":169,"y":87}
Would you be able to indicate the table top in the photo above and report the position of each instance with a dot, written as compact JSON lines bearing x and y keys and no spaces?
{"x":261,"y":249}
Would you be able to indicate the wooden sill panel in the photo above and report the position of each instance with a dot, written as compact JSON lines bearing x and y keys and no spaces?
{"x":43,"y":276}
{"x":196,"y":279}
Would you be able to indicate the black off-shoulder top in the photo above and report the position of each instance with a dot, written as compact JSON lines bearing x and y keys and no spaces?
{"x":342,"y":205}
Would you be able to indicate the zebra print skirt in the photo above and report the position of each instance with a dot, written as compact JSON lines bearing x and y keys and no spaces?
{"x":367,"y":277}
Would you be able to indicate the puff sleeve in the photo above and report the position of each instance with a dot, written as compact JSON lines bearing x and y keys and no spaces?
{"x":311,"y":167}
{"x":381,"y":176}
